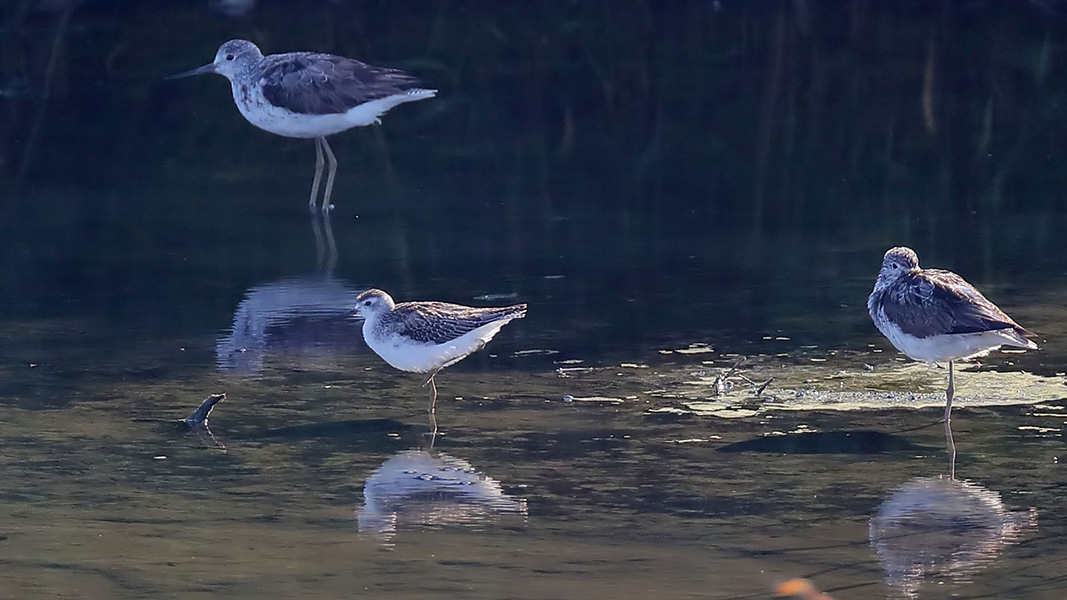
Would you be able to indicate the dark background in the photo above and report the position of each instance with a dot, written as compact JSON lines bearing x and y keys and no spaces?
{"x":643,"y":173}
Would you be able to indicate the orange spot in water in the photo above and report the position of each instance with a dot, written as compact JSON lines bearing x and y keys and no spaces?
{"x":800,"y":588}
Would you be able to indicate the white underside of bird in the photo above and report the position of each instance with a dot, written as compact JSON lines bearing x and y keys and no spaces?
{"x":280,"y":121}
{"x":407,"y":354}
{"x":952,"y":346}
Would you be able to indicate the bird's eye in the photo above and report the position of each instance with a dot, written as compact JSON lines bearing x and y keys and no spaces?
{"x":366,"y":303}
{"x":229,"y":57}
{"x":896,"y":266}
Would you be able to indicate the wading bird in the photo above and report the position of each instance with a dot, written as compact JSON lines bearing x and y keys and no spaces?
{"x":425,"y":337}
{"x":935,"y":316}
{"x":310,"y":95}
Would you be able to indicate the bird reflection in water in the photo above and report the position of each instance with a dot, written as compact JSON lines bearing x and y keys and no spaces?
{"x":423,"y":487}
{"x":309,"y":318}
{"x":937,"y":527}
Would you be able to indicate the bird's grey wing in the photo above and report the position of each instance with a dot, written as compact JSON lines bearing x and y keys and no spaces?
{"x":936,"y":302}
{"x":317,"y":84}
{"x":439,"y":322}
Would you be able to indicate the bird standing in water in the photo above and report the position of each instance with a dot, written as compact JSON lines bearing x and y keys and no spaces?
{"x":310,"y":95}
{"x":425,"y":337}
{"x":935,"y":316}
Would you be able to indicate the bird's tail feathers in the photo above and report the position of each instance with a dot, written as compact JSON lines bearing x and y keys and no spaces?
{"x":1018,"y":337}
{"x":517,"y":311}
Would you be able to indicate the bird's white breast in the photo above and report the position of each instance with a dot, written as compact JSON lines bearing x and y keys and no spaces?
{"x":407,"y":354}
{"x":940,"y":348}
{"x":255,"y":108}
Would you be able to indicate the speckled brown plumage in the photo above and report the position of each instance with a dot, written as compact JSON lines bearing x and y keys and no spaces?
{"x":318,"y":84}
{"x":441,"y":322}
{"x":927,"y":302}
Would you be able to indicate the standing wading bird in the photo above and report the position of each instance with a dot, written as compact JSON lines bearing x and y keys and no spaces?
{"x":933,"y":315}
{"x":425,"y":337}
{"x":309,"y":95}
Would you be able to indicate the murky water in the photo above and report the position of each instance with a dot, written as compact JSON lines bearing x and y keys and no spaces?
{"x":693,"y":201}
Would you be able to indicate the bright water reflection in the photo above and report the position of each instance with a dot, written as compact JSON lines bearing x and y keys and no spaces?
{"x":419,"y":487}
{"x":615,"y":498}
{"x":934,"y":529}
{"x":304,"y":320}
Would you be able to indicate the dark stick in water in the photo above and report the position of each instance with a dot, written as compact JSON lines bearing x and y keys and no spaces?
{"x":200,"y":415}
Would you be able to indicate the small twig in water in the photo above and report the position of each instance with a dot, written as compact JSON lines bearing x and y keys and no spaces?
{"x":733,"y":369}
{"x":200,"y":415}
{"x":747,"y":380}
{"x":764,"y":386}
{"x":720,"y":385}
{"x":198,"y":421}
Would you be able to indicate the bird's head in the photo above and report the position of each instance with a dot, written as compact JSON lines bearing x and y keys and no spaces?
{"x":373,"y":303}
{"x":233,"y":59}
{"x":896,"y":263}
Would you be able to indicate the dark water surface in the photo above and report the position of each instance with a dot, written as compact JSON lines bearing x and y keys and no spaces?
{"x":672,"y":189}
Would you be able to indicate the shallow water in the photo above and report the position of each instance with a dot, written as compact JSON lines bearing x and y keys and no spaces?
{"x":697,"y":404}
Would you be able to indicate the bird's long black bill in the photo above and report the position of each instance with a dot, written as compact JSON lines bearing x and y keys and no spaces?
{"x":208,"y":68}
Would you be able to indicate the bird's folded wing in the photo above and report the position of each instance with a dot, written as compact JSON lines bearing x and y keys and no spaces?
{"x":439,"y":322}
{"x":320,"y":84}
{"x":935,"y":302}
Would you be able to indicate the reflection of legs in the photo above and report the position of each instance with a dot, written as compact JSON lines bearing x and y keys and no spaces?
{"x":951,"y":450}
{"x":331,"y":257}
{"x":951,"y":392}
{"x":329,"y":178}
{"x":433,"y":431}
{"x":318,"y":172}
{"x":325,"y":245}
{"x":433,"y":402}
{"x":316,"y":228}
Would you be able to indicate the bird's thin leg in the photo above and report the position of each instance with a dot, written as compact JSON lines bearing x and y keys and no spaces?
{"x":951,"y":450}
{"x":433,"y":402}
{"x":950,"y":393}
{"x":329,"y":178}
{"x":318,"y":172}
